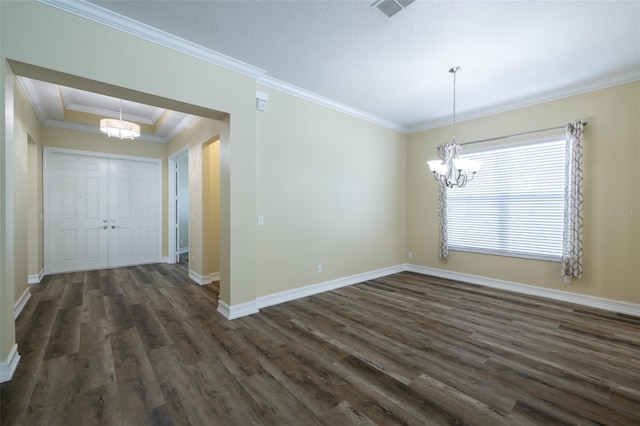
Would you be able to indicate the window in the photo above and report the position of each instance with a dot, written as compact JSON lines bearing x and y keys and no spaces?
{"x":515,"y":204}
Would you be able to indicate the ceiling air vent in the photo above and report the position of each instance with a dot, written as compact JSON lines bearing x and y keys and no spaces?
{"x":391,"y":7}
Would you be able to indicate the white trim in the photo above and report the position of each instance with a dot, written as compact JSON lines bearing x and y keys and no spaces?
{"x":204,"y":279}
{"x":310,"y":290}
{"x":183,"y":250}
{"x":21,"y":302}
{"x":165,"y":259}
{"x":237,"y":311}
{"x":178,"y":128}
{"x":32,"y":95}
{"x":51,"y":149}
{"x":564,"y":296}
{"x":250,"y":308}
{"x":146,"y":32}
{"x":127,"y":25}
{"x":329,"y":103}
{"x":566,"y":92}
{"x":8,"y":367}
{"x":36,"y":278}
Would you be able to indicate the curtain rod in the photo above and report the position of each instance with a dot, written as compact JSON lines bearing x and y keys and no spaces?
{"x":518,"y":134}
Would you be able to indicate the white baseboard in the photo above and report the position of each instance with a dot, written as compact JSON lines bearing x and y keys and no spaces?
{"x":183,"y":250}
{"x":204,"y":279}
{"x":310,"y":290}
{"x":36,"y":278}
{"x":8,"y":367}
{"x":564,"y":296}
{"x":165,"y":259}
{"x":21,"y":302}
{"x":237,"y":311}
{"x":250,"y":308}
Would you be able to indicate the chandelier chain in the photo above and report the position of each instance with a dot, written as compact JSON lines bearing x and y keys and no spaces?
{"x":454,"y":70}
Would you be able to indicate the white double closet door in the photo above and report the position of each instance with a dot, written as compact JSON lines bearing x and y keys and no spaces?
{"x":102,"y":212}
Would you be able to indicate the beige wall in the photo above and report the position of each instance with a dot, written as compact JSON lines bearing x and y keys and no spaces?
{"x":183,"y":201}
{"x":28,"y":146}
{"x":211,"y":206}
{"x":612,"y":183}
{"x":35,"y":226}
{"x":332,"y":190}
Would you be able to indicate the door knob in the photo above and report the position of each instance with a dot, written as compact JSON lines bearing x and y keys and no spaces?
{"x":114,"y":226}
{"x":103,"y":227}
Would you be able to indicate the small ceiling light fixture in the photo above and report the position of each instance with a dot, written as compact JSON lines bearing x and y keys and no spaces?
{"x":119,"y":128}
{"x":452,"y":171}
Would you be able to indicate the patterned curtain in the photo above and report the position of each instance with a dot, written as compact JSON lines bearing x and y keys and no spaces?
{"x":442,"y":215}
{"x":573,"y":206}
{"x":443,"y":151}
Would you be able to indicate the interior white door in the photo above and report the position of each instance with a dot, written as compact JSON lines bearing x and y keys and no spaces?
{"x":102,"y":212}
{"x":133,"y":212}
{"x":79,"y":237}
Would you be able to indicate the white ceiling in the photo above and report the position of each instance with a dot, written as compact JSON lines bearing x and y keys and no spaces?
{"x":51,"y":101}
{"x":512,"y":53}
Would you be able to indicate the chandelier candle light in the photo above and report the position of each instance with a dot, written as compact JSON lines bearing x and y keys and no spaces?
{"x":119,"y":128}
{"x":452,"y":171}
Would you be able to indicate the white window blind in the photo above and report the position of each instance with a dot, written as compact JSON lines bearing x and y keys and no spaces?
{"x":515,"y":204}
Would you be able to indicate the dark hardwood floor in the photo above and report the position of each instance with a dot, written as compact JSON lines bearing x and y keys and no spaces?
{"x":144,"y":346}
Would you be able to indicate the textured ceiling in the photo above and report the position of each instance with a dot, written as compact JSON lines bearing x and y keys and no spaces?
{"x":511,"y":52}
{"x":396,"y":68}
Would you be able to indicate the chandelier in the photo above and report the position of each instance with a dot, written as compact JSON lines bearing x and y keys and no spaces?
{"x":119,"y":128}
{"x":451,"y":171}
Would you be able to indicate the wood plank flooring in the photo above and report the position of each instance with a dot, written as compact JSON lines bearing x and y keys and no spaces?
{"x":145,"y":346}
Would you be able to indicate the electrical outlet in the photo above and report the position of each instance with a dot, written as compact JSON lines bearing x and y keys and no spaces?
{"x":319,"y":269}
{"x":410,"y":255}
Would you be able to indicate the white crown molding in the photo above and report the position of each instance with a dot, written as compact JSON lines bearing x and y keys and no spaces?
{"x":127,"y":25}
{"x":111,"y":19}
{"x":563,"y":296}
{"x":566,"y":92}
{"x":69,"y":105}
{"x":329,"y":103}
{"x":8,"y":367}
{"x":106,"y":17}
{"x":95,"y":129}
{"x":32,"y":94}
{"x":183,"y":124}
{"x":21,"y":302}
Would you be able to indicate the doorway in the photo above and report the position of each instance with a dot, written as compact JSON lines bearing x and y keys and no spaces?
{"x":100,"y":211}
{"x":180,"y":217}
